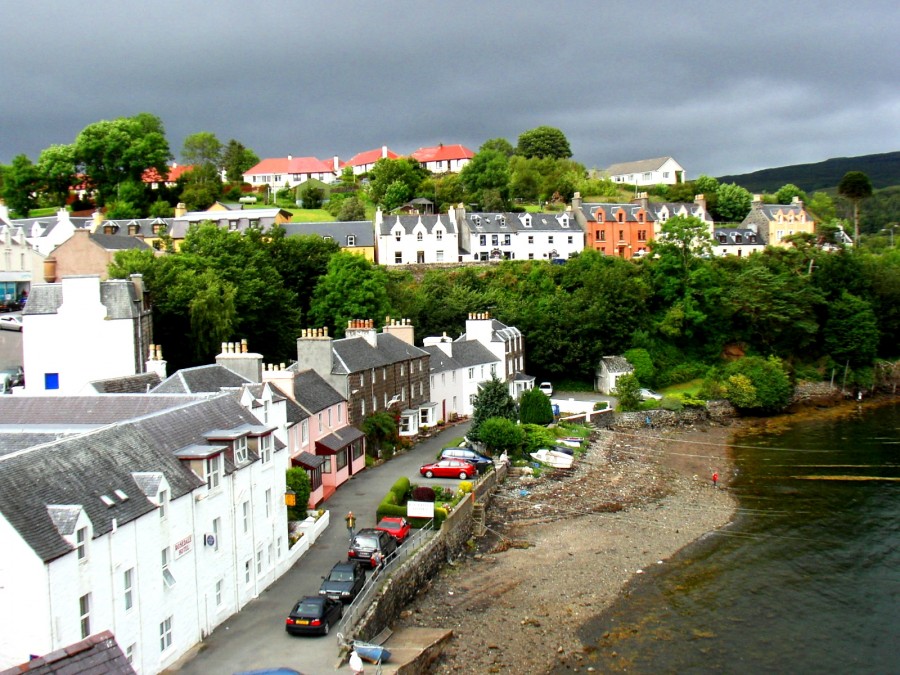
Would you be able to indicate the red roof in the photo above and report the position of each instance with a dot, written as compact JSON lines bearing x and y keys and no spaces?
{"x":151,"y":175}
{"x":442,"y":153}
{"x":291,"y":165}
{"x":369,"y":157}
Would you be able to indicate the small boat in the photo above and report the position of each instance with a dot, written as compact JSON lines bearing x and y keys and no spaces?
{"x":558,"y":460}
{"x":570,"y":441}
{"x":371,"y":653}
{"x":564,"y":449}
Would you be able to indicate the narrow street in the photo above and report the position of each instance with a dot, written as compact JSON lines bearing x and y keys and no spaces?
{"x":255,"y":637}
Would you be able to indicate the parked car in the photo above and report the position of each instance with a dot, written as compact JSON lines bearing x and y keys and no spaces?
{"x":12,"y":322}
{"x":546,"y":388}
{"x":480,"y":461}
{"x":649,"y":395}
{"x":344,"y":582}
{"x":313,"y":615}
{"x":371,"y":547}
{"x":397,"y":527}
{"x":449,"y":468}
{"x":9,"y":306}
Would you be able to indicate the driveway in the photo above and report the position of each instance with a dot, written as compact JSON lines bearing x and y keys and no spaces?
{"x":255,"y":637}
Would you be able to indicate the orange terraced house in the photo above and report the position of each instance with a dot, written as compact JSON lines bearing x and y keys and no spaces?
{"x":623,"y":230}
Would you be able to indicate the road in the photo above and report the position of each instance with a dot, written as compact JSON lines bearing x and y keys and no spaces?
{"x":255,"y":637}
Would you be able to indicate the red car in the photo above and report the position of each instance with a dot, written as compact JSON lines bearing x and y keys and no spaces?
{"x":448,"y":468}
{"x":397,"y":527}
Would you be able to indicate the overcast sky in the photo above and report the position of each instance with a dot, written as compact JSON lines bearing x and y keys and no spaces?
{"x":722,"y":86}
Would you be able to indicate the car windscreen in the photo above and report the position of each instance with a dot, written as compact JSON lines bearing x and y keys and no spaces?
{"x":308,"y":608}
{"x":340,"y":575}
{"x":365,"y":541}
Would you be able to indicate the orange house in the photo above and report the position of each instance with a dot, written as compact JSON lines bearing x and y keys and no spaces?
{"x":623,"y":230}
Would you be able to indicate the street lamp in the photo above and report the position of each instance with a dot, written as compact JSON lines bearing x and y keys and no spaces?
{"x":290,"y":497}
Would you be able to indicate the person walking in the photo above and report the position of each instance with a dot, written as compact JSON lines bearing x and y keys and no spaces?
{"x":715,"y":479}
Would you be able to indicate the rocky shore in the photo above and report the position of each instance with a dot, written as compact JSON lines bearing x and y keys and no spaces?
{"x":559,"y":548}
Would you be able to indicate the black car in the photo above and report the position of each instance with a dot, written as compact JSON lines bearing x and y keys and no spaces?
{"x":313,"y":615}
{"x":480,"y":461}
{"x":371,"y":547}
{"x":344,"y":582}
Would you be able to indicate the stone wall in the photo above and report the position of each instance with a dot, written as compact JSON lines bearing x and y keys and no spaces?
{"x":716,"y":411}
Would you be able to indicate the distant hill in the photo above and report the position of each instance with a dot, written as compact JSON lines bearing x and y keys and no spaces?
{"x":883,"y":170}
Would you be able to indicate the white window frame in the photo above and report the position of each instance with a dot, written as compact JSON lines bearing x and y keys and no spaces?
{"x":163,"y":499}
{"x":246,"y":515}
{"x":81,"y":544}
{"x":166,"y":558}
{"x":265,"y":448}
{"x":213,"y":466}
{"x":268,"y":502}
{"x":128,"y":586}
{"x":165,"y":634}
{"x":241,"y":454}
{"x":84,"y":615}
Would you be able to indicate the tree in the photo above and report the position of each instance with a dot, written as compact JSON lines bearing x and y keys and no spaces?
{"x":757,"y":385}
{"x":110,"y":152}
{"x":353,"y":288}
{"x":352,"y":209}
{"x":21,"y":182}
{"x":397,"y":194}
{"x":500,"y":145}
{"x":786,"y":194}
{"x":628,"y":391}
{"x":56,"y":166}
{"x":644,"y":370}
{"x":381,"y":432}
{"x":388,"y":171}
{"x":535,"y":408}
{"x":202,"y":149}
{"x":297,"y":480}
{"x":544,"y":141}
{"x":732,"y":202}
{"x":492,"y":400}
{"x":851,"y":331}
{"x":488,"y":170}
{"x":237,"y":159}
{"x":501,"y":435}
{"x":855,"y":186}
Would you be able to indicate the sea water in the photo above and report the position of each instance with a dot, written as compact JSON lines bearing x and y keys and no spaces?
{"x":805,"y":580}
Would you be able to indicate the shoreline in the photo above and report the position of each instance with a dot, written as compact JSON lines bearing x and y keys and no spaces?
{"x":562,"y":548}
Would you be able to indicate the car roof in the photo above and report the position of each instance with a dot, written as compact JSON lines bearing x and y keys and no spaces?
{"x":344,"y":565}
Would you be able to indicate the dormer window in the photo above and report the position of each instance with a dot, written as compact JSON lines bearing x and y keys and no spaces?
{"x":738,"y":239}
{"x":564,"y":222}
{"x":81,"y":542}
{"x":133,"y":228}
{"x":240,"y":451}
{"x":439,"y":235}
{"x":419,"y":236}
{"x":722,"y":238}
{"x":162,"y":499}
{"x":397,"y":234}
{"x":265,"y":448}
{"x":526,"y":221}
{"x":351,"y":240}
{"x":213,"y":467}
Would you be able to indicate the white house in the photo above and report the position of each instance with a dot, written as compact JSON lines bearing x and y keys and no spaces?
{"x":610,"y":369}
{"x":443,"y":158}
{"x":519,"y":236}
{"x":506,"y":344}
{"x":416,"y":239}
{"x":84,"y":329}
{"x":364,"y":162}
{"x":156,"y":527}
{"x":660,"y":170}
{"x":292,"y":171}
{"x":20,"y":263}
{"x":458,"y":369}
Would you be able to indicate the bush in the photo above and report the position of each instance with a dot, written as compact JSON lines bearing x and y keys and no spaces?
{"x":465,"y":486}
{"x":601,"y":405}
{"x":423,"y":494}
{"x":297,"y":480}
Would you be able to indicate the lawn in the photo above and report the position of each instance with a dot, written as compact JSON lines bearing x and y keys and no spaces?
{"x":691,"y":387}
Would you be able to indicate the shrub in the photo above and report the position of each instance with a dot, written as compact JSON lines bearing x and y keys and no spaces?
{"x":601,"y":405}
{"x":423,"y":494}
{"x":298,"y":480}
{"x":535,"y":408}
{"x":465,"y":486}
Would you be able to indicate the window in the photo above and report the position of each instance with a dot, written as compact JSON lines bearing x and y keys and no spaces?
{"x":483,"y":239}
{"x":304,"y":432}
{"x":439,"y":235}
{"x":259,"y":560}
{"x":471,"y":373}
{"x":129,"y":588}
{"x":351,"y":240}
{"x":506,"y":240}
{"x":268,"y":502}
{"x":213,"y":470}
{"x":665,"y":174}
{"x":84,"y":609}
{"x":570,"y":239}
{"x":402,"y":370}
{"x":398,"y":257}
{"x":165,"y":634}
{"x":320,"y":421}
{"x":217,"y":532}
{"x":245,"y":508}
{"x":329,"y":418}
{"x":493,"y":369}
{"x":550,"y":239}
{"x":219,"y":586}
{"x":642,"y":235}
{"x":247,"y":571}
{"x":341,"y":460}
{"x":418,"y":236}
{"x":130,"y":651}
{"x":621,"y":235}
{"x":81,"y":543}
{"x":51,"y":381}
{"x":165,"y":557}
{"x":601,"y":236}
{"x":163,"y":499}
{"x":326,"y":465}
{"x":362,"y":407}
{"x":265,"y":448}
{"x":439,"y":256}
{"x":397,"y":234}
{"x":530,"y":238}
{"x":240,"y":450}
{"x":340,"y":412}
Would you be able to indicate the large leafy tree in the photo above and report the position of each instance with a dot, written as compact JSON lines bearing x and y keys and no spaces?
{"x":732,"y":202}
{"x":21,"y":183}
{"x":110,"y":152}
{"x":353,"y":288}
{"x":406,"y":171}
{"x":501,"y":435}
{"x":544,"y":141}
{"x":202,"y":149}
{"x":488,"y":170}
{"x":500,"y":145}
{"x":236,"y":159}
{"x":787,"y":192}
{"x":492,"y":400}
{"x":757,"y":385}
{"x":56,"y":165}
{"x":301,"y":261}
{"x":535,"y":408}
{"x":851,"y":331}
{"x":855,"y":186}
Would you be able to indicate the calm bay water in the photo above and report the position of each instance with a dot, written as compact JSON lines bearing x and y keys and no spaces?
{"x":807,"y":578}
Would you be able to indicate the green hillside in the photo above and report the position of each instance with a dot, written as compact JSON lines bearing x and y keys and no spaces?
{"x":883,"y":170}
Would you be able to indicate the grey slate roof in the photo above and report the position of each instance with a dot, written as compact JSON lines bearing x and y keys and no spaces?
{"x":508,"y":223}
{"x":209,"y":378}
{"x":43,"y":412}
{"x":610,"y":212}
{"x":352,"y":355}
{"x":639,"y":166}
{"x":309,"y":460}
{"x":128,"y":384}
{"x":736,"y":236}
{"x":409,"y":223}
{"x":339,"y":439}
{"x":13,"y":441}
{"x":363,"y":230}
{"x":78,"y":470}
{"x":466,"y":354}
{"x":112,"y":242}
{"x":617,"y":364}
{"x":313,"y":393}
{"x":119,"y":296}
{"x":97,"y":654}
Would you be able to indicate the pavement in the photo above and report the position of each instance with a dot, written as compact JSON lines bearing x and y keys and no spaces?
{"x":255,"y":637}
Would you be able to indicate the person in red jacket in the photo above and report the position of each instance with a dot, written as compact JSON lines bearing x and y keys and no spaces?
{"x":715,"y":479}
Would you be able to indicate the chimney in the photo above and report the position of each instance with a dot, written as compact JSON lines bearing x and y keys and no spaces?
{"x":384,"y":152}
{"x":757,"y":200}
{"x":444,"y":343}
{"x":479,"y":327}
{"x":643,"y":199}
{"x":576,"y":201}
{"x":155,"y":363}
{"x":50,"y":270}
{"x":796,"y":201}
{"x":314,"y":351}
{"x":236,"y":357}
{"x":337,"y":164}
{"x":364,"y":328}
{"x":180,"y":210}
{"x":97,"y":218}
{"x":700,"y":200}
{"x":281,"y":377}
{"x":290,"y":157}
{"x":4,"y":212}
{"x":401,"y":329}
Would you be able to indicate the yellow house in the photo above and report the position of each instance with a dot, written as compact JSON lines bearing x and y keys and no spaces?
{"x":775,"y":222}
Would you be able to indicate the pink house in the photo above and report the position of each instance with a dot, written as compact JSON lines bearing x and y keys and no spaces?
{"x":319,"y":437}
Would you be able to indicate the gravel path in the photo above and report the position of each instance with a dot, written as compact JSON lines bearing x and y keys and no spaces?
{"x":560,"y":548}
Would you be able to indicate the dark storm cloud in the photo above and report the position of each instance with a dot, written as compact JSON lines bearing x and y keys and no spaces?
{"x":723,"y":88}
